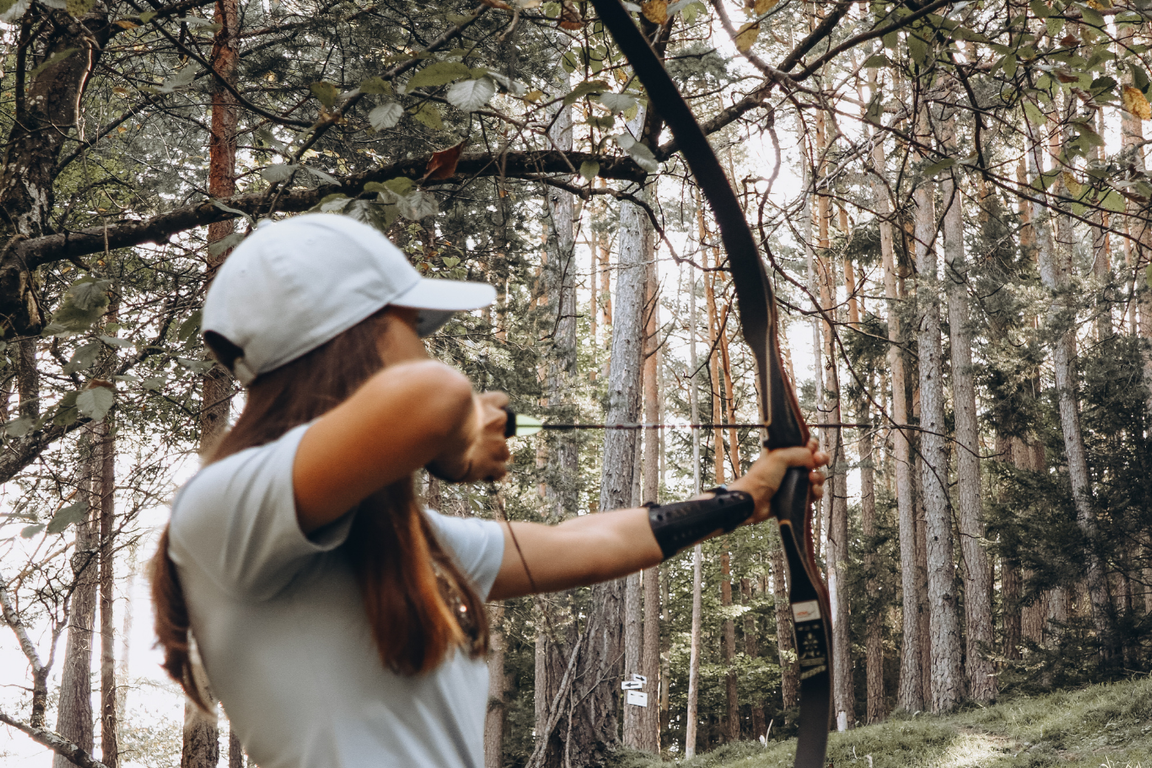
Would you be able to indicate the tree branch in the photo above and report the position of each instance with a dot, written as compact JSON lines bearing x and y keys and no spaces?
{"x":159,"y":228}
{"x":54,"y":742}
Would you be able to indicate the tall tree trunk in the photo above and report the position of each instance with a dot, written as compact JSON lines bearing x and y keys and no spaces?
{"x":560,"y":492}
{"x":201,"y":746}
{"x":650,"y":740}
{"x":691,"y":715}
{"x":595,"y":718}
{"x":975,"y":570}
{"x":74,"y":712}
{"x":1055,"y":262}
{"x":947,"y":680}
{"x":910,"y":695}
{"x":495,"y":713}
{"x":109,"y":737}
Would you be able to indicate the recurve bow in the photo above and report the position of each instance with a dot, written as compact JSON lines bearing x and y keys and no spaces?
{"x":782,"y":419}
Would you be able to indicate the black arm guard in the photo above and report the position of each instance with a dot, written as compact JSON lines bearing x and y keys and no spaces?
{"x":684,"y":523}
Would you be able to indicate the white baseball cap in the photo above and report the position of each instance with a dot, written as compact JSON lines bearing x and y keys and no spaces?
{"x":294,"y":284}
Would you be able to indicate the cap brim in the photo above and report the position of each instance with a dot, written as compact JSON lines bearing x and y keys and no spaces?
{"x":438,"y":299}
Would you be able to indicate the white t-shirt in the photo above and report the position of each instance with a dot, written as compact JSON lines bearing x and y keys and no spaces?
{"x":283,"y":635}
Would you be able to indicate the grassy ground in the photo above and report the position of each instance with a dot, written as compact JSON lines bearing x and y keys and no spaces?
{"x":1105,"y":726}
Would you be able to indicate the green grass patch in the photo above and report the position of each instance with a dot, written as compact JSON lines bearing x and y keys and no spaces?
{"x":1102,"y":726}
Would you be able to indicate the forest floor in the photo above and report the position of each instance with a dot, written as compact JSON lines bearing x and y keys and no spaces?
{"x":1102,"y":726}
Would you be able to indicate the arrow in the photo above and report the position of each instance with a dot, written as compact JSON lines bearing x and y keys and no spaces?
{"x":522,"y":425}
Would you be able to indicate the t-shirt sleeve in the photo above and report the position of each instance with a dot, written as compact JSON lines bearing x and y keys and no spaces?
{"x":476,"y":545}
{"x":236,"y":521}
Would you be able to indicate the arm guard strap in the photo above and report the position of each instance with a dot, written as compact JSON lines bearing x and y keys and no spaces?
{"x":684,"y":523}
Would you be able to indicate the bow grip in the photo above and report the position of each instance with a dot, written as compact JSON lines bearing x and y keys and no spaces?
{"x":790,"y":502}
{"x":510,"y":424}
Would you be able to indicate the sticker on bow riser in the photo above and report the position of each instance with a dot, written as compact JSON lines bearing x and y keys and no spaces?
{"x":809,"y":610}
{"x":810,"y":645}
{"x":813,"y":672}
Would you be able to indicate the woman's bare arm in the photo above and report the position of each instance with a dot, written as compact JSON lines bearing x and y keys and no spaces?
{"x":600,"y":547}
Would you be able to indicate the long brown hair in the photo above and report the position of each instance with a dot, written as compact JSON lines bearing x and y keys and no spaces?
{"x":420,"y":606}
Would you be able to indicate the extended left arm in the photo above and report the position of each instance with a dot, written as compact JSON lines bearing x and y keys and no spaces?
{"x":594,"y":548}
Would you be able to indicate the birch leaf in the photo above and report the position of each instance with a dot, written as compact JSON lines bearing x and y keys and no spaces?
{"x":385,"y":116}
{"x":471,"y":95}
{"x":638,"y":152}
{"x":617,"y":102}
{"x":278,"y":172}
{"x":95,"y":403}
{"x":1136,"y":103}
{"x":440,"y":73}
{"x":656,"y":11}
{"x":429,"y":116}
{"x":747,"y":36}
{"x":589,"y":170}
{"x":65,"y":516}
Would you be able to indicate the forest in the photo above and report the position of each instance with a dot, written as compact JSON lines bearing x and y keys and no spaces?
{"x":952,"y":202}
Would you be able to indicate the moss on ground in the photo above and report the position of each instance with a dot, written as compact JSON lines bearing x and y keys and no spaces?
{"x":1103,"y":726}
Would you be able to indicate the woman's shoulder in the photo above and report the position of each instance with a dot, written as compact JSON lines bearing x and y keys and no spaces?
{"x":240,"y":478}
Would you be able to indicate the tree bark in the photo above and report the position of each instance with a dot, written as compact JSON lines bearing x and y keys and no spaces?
{"x":109,"y":737}
{"x":910,"y":695}
{"x":650,"y":740}
{"x":495,"y":715}
{"x":691,"y":715}
{"x":1055,"y":271}
{"x":595,"y":717}
{"x":74,"y":712}
{"x":947,"y":687}
{"x":975,"y":570}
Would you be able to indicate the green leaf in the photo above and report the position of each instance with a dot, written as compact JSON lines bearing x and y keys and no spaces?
{"x":1139,"y":77}
{"x":638,"y":152}
{"x":19,"y":427}
{"x":942,"y":164}
{"x":66,"y":413}
{"x":569,"y":62}
{"x":178,"y":81}
{"x":153,"y":384}
{"x":95,"y":402}
{"x":875,"y":61}
{"x":875,"y":112}
{"x":385,"y":116}
{"x":190,"y":327}
{"x":1033,"y":113}
{"x":225,"y":243}
{"x":1114,"y":201}
{"x":79,"y":8}
{"x":1040,"y":9}
{"x":918,"y":49}
{"x":376,"y":85}
{"x":326,"y":93}
{"x":52,"y":61}
{"x":1091,"y":16}
{"x":585,"y":89}
{"x":428,"y":115}
{"x":66,"y":516}
{"x":471,"y":95}
{"x":617,"y":102}
{"x":84,"y":303}
{"x":589,"y":169}
{"x":1009,"y":64}
{"x":31,"y":531}
{"x":280,"y":172}
{"x":83,"y":358}
{"x":440,"y":73}
{"x":147,"y":16}
{"x":1148,"y":275}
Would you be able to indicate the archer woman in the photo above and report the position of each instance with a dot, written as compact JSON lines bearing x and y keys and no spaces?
{"x":339,"y":622}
